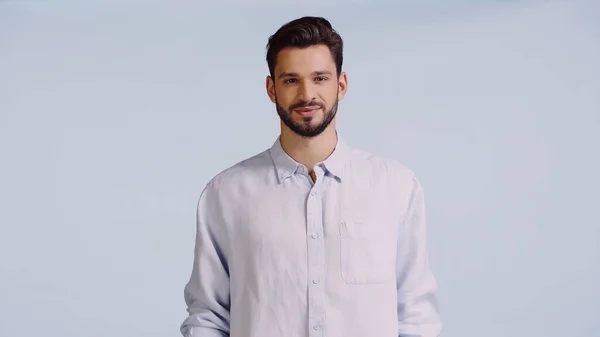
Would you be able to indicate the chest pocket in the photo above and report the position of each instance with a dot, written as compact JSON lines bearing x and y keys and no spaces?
{"x":367,"y":254}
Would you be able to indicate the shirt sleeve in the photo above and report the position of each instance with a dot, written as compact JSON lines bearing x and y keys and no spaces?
{"x":418,"y":310}
{"x":207,"y":293}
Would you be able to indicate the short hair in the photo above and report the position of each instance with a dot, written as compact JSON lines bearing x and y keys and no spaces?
{"x":305,"y":32}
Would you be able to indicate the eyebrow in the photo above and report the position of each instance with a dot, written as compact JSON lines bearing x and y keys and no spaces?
{"x":314,"y":73}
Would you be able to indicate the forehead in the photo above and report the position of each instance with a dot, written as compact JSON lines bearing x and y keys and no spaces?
{"x":305,"y":60}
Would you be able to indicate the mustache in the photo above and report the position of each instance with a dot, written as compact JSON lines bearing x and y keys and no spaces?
{"x":304,"y":104}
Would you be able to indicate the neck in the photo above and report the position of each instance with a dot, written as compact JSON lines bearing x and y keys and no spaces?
{"x":309,"y":151}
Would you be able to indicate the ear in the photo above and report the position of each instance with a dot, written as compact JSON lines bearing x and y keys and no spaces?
{"x":270,"y":85}
{"x":342,"y":86}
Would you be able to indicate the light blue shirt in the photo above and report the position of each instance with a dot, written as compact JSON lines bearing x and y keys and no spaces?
{"x":277,"y":255}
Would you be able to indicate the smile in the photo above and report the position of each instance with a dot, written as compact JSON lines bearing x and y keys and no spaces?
{"x":307,"y":111}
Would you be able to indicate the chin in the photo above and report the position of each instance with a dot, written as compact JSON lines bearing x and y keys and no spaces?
{"x":312,"y":121}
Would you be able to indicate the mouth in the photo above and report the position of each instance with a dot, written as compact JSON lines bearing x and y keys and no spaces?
{"x":307,"y":111}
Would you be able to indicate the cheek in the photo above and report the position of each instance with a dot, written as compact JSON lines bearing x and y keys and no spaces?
{"x":331,"y":95}
{"x":284,"y":97}
{"x":332,"y":89}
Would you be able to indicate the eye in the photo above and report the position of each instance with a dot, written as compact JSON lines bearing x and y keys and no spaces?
{"x":289,"y":80}
{"x":320,"y":78}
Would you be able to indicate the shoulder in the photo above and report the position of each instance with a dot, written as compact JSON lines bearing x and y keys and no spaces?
{"x":247,"y":170}
{"x":382,"y":167}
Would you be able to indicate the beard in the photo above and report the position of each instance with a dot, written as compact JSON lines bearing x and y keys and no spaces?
{"x":305,"y":128}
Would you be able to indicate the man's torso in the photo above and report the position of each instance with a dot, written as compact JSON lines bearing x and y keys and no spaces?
{"x":312,"y":259}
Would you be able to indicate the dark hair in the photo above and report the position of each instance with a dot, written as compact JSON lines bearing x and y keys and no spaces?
{"x":302,"y":33}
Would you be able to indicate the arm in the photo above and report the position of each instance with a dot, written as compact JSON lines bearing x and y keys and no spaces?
{"x":418,"y":314}
{"x":207,"y":293}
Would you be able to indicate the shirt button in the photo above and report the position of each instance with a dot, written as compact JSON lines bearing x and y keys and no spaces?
{"x":315,"y":327}
{"x":314,"y":235}
{"x":316,"y":281}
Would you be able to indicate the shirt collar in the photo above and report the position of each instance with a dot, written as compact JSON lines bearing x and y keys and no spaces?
{"x":286,"y":166}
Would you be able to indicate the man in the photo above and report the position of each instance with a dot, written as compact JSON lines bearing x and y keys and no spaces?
{"x":311,"y":237}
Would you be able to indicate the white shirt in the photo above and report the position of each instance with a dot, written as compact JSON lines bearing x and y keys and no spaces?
{"x":277,"y":255}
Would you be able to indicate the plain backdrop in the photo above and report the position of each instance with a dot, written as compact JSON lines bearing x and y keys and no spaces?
{"x":114,"y":114}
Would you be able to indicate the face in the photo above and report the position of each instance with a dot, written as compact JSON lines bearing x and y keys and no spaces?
{"x":306,"y":89}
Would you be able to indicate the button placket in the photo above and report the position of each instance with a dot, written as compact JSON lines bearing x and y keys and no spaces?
{"x":316,"y":258}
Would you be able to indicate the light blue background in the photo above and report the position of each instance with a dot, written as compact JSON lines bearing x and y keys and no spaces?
{"x":114,"y":114}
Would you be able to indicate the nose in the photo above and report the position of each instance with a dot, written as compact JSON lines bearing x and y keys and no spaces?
{"x":306,"y":92}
